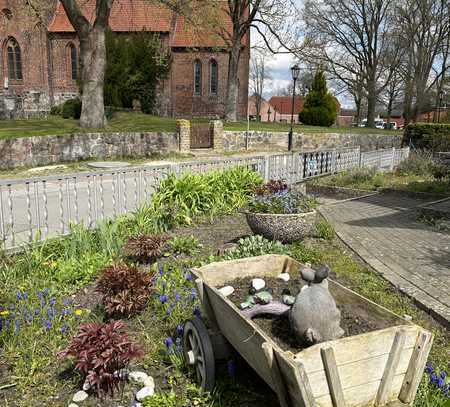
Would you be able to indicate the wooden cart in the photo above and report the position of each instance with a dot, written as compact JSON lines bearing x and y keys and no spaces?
{"x":378,"y":368}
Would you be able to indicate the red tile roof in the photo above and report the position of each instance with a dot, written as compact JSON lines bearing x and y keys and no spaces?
{"x":138,"y":15}
{"x":283,"y":104}
{"x":126,"y":16}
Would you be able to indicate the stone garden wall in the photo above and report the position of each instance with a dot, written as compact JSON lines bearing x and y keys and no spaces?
{"x":263,"y":140}
{"x":45,"y":150}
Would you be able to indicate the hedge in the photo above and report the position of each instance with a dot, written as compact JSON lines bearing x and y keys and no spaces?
{"x":429,"y":136}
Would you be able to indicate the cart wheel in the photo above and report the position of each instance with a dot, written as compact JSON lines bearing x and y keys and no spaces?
{"x":198,"y":352}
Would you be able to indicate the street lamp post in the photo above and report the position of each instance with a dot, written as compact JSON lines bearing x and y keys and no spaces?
{"x":295,"y":70}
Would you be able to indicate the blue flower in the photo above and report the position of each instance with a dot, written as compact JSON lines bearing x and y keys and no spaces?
{"x":163,"y":299}
{"x":177,"y":296}
{"x":64,"y":330}
{"x":193,"y":293}
{"x":52,"y":302}
{"x":188,"y":276}
{"x":443,"y":375}
{"x":67,"y":301}
{"x":441,"y":383}
{"x":19,"y":295}
{"x":48,"y":325}
{"x":180,"y":329}
{"x":16,"y":327}
{"x":25,"y":296}
{"x":168,"y":342}
{"x":197,"y":312}
{"x":434,"y":378}
{"x":45,"y":291}
{"x":161,"y":269}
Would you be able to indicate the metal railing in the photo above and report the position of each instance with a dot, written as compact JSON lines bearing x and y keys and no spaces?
{"x":42,"y":207}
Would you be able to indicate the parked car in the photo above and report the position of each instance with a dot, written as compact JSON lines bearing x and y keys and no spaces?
{"x":391,"y":126}
{"x":379,"y":123}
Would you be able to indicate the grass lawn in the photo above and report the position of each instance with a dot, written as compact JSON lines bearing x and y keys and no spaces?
{"x":371,"y":180}
{"x":137,"y":122}
{"x":50,"y":289}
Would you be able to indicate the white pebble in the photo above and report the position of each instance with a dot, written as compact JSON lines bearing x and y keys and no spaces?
{"x":258,"y":284}
{"x":145,"y":392}
{"x":73,"y":405}
{"x":80,"y":396}
{"x":284,"y":276}
{"x":407,"y":317}
{"x":227,"y":290}
{"x":86,"y":385}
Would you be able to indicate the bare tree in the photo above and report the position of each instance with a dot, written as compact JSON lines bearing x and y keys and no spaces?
{"x":425,"y":27}
{"x":351,"y":39}
{"x":259,"y":74}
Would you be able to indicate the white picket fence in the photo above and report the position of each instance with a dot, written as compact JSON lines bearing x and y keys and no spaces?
{"x":38,"y":208}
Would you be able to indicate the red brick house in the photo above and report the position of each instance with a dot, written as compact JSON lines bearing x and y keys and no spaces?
{"x":282,"y":106}
{"x":39,"y":59}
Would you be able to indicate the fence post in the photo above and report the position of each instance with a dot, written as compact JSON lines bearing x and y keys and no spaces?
{"x":266,"y":168}
{"x":393,"y":159}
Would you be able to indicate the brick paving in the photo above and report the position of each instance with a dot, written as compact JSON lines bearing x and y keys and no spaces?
{"x":383,"y":230}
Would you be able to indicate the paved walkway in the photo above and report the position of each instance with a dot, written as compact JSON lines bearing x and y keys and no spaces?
{"x":384,"y":231}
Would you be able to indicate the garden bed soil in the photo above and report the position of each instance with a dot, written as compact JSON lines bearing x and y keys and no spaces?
{"x":355,"y":319}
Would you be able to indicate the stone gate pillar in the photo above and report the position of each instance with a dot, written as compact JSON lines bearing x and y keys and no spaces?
{"x":184,"y":135}
{"x":216,"y":128}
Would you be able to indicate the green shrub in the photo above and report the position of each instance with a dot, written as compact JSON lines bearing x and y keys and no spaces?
{"x":71,"y":109}
{"x":320,"y":107}
{"x":324,"y":230}
{"x":429,"y":136}
{"x":420,"y":163}
{"x":441,"y":171}
{"x":56,"y":110}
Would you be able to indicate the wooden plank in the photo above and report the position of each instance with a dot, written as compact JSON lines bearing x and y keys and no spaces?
{"x":416,"y":367}
{"x":275,"y":374}
{"x":206,"y":306}
{"x":220,"y":273}
{"x":359,"y":347}
{"x":357,"y":373}
{"x":296,"y":380}
{"x":332,"y":374}
{"x":364,"y":394}
{"x":391,"y":368}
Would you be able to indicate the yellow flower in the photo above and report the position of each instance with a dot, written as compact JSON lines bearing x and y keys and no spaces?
{"x":3,"y":313}
{"x":78,"y":312}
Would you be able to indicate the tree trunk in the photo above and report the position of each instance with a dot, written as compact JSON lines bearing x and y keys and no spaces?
{"x":371,"y":103}
{"x":420,"y":96}
{"x":232,"y":91}
{"x":407,"y":101}
{"x":389,"y":113}
{"x":358,"y":103}
{"x":93,"y":63}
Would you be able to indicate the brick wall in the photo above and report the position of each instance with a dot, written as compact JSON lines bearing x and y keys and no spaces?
{"x":185,"y":103}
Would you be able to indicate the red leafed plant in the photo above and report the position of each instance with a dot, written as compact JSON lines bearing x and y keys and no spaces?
{"x":145,"y":248}
{"x":99,"y":351}
{"x":125,"y":289}
{"x":271,"y":187}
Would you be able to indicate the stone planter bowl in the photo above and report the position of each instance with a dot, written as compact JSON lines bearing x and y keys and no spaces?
{"x":285,"y":228}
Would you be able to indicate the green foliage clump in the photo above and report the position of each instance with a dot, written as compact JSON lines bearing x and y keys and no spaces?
{"x":71,"y":109}
{"x":187,"y":245}
{"x":135,"y":64}
{"x":428,"y":136}
{"x":178,"y":200}
{"x":256,"y":246}
{"x":324,"y":230}
{"x":419,"y":163}
{"x":56,"y":110}
{"x":320,"y":107}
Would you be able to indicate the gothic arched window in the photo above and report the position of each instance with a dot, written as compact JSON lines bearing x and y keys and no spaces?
{"x":73,"y":61}
{"x":197,"y":78}
{"x":214,"y":77}
{"x":14,"y":58}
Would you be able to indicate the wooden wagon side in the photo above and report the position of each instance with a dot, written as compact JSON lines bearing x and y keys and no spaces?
{"x":371,"y":369}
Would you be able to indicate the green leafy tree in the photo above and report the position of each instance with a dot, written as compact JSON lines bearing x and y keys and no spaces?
{"x":320,"y":107}
{"x":136,"y":63}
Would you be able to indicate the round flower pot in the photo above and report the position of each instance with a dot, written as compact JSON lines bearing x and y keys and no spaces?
{"x":285,"y":228}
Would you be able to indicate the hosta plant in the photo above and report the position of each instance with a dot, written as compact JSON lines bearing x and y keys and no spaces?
{"x":100,"y":350}
{"x":125,"y":290}
{"x":145,"y":248}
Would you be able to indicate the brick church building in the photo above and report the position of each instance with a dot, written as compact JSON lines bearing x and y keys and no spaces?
{"x":40,"y":59}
